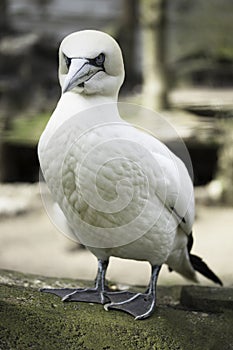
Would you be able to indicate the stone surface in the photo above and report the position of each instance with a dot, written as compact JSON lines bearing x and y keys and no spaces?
{"x":207,"y":299}
{"x":33,"y":320}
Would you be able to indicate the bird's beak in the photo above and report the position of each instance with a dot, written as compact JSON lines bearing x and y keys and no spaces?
{"x":80,"y":70}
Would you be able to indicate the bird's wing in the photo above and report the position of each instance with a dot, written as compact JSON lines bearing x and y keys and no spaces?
{"x":179,"y":197}
{"x":179,"y":190}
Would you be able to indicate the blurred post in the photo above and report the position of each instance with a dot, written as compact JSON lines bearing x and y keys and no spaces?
{"x":225,"y":165}
{"x":4,"y":27}
{"x":127,"y":40}
{"x":4,"y":18}
{"x":155,"y":80}
{"x":42,"y":6}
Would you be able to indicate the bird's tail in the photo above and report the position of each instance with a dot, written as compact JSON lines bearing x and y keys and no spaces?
{"x":200,"y":266}
{"x":185,"y":263}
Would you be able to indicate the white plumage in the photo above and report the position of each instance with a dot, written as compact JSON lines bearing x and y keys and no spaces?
{"x":122,"y":191}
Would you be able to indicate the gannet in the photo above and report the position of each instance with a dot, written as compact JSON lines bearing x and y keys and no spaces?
{"x":122,"y":191}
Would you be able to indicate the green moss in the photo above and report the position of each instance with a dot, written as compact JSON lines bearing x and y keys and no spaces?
{"x":30,"y":319}
{"x":33,"y":320}
{"x":225,"y":53}
{"x":25,"y":130}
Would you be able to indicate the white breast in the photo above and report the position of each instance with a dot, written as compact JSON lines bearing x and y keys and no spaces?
{"x":115,"y":185}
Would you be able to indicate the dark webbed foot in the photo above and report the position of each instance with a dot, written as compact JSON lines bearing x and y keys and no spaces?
{"x":89,"y":295}
{"x":60,"y":292}
{"x":138,"y":305}
{"x":98,"y":294}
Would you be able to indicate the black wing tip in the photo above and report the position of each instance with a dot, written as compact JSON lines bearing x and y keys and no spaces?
{"x":200,"y":266}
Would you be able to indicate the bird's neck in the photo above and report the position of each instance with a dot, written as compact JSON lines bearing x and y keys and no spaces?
{"x":80,"y":102}
{"x":71,"y":104}
{"x":74,"y":103}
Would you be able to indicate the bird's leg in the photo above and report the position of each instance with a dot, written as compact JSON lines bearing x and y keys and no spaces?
{"x":91,"y":295}
{"x":139,"y":305}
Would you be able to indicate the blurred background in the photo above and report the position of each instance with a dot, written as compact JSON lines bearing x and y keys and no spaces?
{"x":179,"y":61}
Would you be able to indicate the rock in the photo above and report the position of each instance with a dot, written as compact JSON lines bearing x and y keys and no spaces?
{"x":207,"y":299}
{"x":30,"y":319}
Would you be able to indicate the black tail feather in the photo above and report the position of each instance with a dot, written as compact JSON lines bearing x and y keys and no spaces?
{"x":190,"y":242}
{"x":200,"y":266}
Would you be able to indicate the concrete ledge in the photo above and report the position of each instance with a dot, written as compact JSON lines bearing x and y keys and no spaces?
{"x":207,"y":299}
{"x":33,"y":320}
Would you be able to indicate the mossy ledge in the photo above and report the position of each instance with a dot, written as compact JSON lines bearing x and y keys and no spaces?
{"x":30,"y":319}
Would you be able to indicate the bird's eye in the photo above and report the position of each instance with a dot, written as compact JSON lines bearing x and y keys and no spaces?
{"x":99,"y":60}
{"x":68,"y":61}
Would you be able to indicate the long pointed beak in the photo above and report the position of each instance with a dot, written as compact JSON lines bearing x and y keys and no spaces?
{"x":80,"y":70}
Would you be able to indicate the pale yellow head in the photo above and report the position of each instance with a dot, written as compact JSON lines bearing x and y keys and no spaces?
{"x":90,"y":62}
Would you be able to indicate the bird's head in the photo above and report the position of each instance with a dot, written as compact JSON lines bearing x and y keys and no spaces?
{"x":90,"y":62}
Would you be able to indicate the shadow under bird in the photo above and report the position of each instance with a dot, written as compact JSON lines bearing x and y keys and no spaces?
{"x":122,"y":191}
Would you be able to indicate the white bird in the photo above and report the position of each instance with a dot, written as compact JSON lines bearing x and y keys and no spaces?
{"x":122,"y":191}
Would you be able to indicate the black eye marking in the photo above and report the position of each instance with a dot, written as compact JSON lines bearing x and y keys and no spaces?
{"x":98,"y":61}
{"x":67,"y":60}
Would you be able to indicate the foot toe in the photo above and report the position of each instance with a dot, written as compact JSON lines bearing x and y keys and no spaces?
{"x":60,"y":292}
{"x":80,"y":295}
{"x":87,"y":295}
